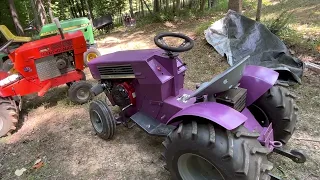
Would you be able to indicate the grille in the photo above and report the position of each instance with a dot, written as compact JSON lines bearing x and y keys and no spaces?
{"x":115,"y":72}
{"x":47,"y":68}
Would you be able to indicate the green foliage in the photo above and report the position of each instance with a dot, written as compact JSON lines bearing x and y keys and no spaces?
{"x":23,"y":13}
{"x":280,"y":23}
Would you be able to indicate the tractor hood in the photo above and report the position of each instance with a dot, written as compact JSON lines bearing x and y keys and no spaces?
{"x":50,"y":41}
{"x":25,"y":56}
{"x":67,"y":25}
{"x":122,"y":58}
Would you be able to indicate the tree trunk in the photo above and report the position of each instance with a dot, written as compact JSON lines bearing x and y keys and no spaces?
{"x":142,"y":9}
{"x":190,"y":3}
{"x":258,"y":16}
{"x":89,"y":9}
{"x":41,"y":12}
{"x":131,"y":8}
{"x":167,"y":5}
{"x":177,"y":5}
{"x":79,"y":9}
{"x":83,"y":8}
{"x":156,"y":7}
{"x":202,"y":4}
{"x":44,"y":12}
{"x":147,"y":6}
{"x":35,"y":14}
{"x":75,"y":8}
{"x":50,"y":11}
{"x":235,"y":5}
{"x":15,"y":18}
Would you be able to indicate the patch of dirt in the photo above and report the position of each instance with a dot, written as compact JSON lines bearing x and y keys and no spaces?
{"x":61,"y":134}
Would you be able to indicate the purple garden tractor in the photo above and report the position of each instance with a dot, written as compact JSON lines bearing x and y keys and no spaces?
{"x":222,"y":130}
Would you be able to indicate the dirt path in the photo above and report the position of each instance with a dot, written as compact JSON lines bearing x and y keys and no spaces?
{"x":61,"y":134}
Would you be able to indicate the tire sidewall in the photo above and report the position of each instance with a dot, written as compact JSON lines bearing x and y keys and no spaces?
{"x":90,"y":50}
{"x":199,"y":148}
{"x":75,"y":87}
{"x":95,"y":107}
{"x":7,"y":123}
{"x":105,"y":116}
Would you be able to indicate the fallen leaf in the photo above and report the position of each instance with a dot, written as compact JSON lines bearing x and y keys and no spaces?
{"x":37,"y":161}
{"x":19,"y":172}
{"x":38,"y":165}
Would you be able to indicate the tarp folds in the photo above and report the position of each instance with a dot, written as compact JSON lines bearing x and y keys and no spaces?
{"x":236,"y":36}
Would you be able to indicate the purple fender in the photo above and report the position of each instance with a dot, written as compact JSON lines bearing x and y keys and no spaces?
{"x":215,"y":112}
{"x":257,"y":80}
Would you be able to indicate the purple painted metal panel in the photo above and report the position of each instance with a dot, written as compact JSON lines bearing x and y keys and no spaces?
{"x":122,"y":57}
{"x":218,"y":113}
{"x":257,"y":80}
{"x":151,"y":107}
{"x":251,"y":124}
{"x":171,"y":106}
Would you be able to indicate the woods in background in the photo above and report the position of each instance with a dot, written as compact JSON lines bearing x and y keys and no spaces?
{"x":16,"y":14}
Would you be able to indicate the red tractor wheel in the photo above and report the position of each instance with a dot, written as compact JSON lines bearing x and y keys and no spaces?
{"x":8,"y":116}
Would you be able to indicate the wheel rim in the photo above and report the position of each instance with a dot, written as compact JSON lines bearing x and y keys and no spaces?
{"x":91,"y":56}
{"x":83,"y":94}
{"x":96,"y":121}
{"x":260,"y":115}
{"x":192,"y":166}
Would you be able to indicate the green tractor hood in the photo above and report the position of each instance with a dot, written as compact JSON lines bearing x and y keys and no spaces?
{"x":71,"y":25}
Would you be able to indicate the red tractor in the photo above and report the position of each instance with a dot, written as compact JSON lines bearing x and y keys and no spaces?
{"x":38,"y":66}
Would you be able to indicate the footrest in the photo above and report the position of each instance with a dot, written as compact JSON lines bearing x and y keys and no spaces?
{"x":151,"y":125}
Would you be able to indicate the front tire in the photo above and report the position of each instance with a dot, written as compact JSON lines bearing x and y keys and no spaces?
{"x":90,"y":54}
{"x":79,"y":92}
{"x":280,"y":109}
{"x":102,"y":119}
{"x":203,"y":152}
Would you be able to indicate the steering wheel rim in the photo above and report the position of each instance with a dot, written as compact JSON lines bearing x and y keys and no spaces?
{"x":158,"y":40}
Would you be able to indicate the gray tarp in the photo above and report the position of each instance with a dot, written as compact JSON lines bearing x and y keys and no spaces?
{"x":237,"y":36}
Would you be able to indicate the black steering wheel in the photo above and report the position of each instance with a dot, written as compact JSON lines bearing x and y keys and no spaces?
{"x":185,"y":46}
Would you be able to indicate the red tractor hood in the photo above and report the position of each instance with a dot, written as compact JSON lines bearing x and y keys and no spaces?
{"x":54,"y":43}
{"x":25,"y":56}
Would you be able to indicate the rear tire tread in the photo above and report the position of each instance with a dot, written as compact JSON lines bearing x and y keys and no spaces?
{"x":250,"y":151}
{"x":10,"y":111}
{"x":281,"y":111}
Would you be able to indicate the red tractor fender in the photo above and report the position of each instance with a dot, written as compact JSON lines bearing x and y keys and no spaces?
{"x":212,"y":111}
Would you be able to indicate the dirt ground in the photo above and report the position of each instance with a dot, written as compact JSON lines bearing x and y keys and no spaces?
{"x":60,"y":133}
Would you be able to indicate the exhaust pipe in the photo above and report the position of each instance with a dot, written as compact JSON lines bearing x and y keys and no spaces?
{"x":97,"y":89}
{"x":56,"y":20}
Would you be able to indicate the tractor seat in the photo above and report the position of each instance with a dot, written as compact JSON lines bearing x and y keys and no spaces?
{"x":8,"y":35}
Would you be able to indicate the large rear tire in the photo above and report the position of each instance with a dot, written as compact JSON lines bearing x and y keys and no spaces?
{"x":8,"y":116}
{"x":202,"y":151}
{"x":278,"y":105}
